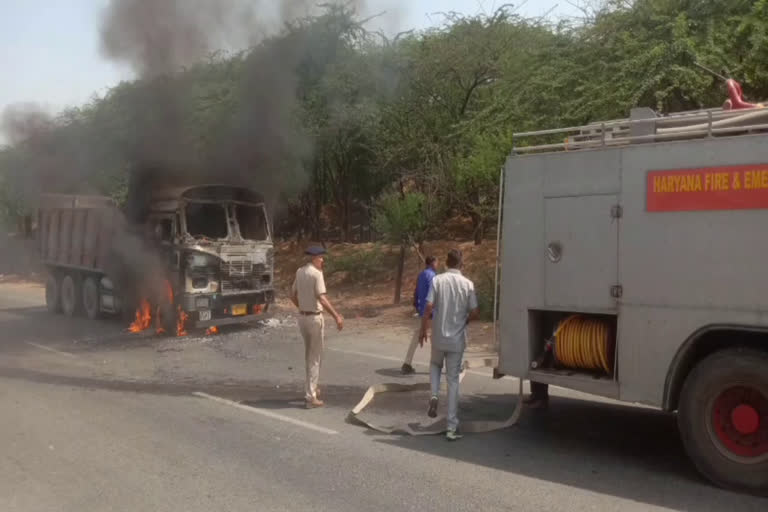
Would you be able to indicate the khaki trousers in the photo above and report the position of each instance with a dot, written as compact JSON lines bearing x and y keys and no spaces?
{"x":414,"y":341}
{"x":312,"y":329}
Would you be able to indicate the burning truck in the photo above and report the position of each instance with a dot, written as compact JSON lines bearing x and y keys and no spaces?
{"x":199,"y":256}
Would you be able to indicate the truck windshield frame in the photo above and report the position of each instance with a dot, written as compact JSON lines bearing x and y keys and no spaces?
{"x":235,"y":213}
{"x":212,"y":208}
{"x":231,"y":224}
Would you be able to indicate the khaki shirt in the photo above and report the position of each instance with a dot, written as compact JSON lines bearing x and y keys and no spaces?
{"x":309,"y":285}
{"x":453,"y":297}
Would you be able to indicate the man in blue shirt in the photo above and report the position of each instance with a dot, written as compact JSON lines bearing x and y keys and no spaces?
{"x":423,"y":283}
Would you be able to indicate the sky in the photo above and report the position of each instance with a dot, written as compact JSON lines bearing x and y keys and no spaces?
{"x":49,"y":49}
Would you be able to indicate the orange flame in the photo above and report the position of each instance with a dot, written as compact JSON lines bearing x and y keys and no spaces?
{"x":181,"y":319}
{"x":143,"y":317}
{"x":212,"y":330}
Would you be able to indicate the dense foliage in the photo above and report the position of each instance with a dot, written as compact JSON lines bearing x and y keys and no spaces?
{"x":354,"y":132}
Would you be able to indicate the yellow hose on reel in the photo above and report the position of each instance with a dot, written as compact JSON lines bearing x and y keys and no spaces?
{"x":585,"y":343}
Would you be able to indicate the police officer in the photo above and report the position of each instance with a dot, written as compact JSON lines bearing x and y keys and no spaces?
{"x":309,"y":295}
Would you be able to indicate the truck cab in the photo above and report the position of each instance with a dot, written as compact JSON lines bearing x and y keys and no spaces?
{"x":216,"y":241}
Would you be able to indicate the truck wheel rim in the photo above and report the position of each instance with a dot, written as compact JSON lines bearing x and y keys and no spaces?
{"x":739,"y":424}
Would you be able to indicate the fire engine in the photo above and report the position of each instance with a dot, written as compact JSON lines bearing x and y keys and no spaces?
{"x":633,"y":266}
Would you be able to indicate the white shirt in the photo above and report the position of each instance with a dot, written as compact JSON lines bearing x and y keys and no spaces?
{"x":309,"y":285}
{"x":453,"y":297}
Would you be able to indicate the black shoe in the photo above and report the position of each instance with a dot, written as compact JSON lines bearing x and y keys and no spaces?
{"x":432,"y":412}
{"x":407,"y":369}
{"x":538,"y":403}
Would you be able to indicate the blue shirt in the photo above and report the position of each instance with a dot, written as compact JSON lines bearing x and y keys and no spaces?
{"x":423,"y":284}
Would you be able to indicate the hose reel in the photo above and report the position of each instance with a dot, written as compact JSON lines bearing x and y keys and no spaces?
{"x":585,"y":343}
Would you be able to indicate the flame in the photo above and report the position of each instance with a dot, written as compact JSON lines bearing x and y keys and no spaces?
{"x":181,"y":319}
{"x":143,"y":317}
{"x":212,"y":330}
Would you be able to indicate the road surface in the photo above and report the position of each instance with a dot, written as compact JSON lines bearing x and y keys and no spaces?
{"x":96,"y":419}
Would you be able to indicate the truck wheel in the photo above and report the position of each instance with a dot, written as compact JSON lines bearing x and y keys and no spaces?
{"x":71,"y":295}
{"x":723,"y":419}
{"x":52,"y":294}
{"x":168,"y":318}
{"x":91,"y":298}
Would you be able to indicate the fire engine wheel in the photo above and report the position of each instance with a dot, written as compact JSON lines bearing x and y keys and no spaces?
{"x":71,"y":295}
{"x":723,"y":419}
{"x":52,"y":294}
{"x":91,"y":298}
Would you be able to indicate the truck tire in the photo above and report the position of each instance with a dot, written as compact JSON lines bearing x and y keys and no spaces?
{"x":91,"y":298}
{"x":723,"y":419}
{"x":167,"y":318}
{"x":53,"y":294}
{"x":71,"y":295}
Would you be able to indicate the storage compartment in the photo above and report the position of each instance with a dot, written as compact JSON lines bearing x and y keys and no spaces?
{"x":572,"y":343}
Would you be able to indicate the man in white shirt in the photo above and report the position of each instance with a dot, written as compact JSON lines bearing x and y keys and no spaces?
{"x":452,"y":303}
{"x":309,"y":295}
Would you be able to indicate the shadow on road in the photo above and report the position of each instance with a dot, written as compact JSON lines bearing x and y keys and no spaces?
{"x":255,"y":393}
{"x":600,"y":447}
{"x":398,"y":374}
{"x":79,"y":334}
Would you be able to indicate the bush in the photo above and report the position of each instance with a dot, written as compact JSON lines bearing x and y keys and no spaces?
{"x":361,"y":265}
{"x":484,"y":288}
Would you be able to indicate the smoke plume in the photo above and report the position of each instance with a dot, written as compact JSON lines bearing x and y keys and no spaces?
{"x":259,"y":144}
{"x":21,"y":121}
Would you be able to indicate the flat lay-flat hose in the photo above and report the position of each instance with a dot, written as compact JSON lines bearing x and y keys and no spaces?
{"x":585,"y":343}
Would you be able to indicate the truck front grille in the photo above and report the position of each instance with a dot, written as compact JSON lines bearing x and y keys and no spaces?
{"x":254,"y":283}
{"x":237,"y":268}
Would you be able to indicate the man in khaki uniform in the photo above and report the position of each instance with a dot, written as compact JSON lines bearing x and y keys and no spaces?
{"x":309,"y":295}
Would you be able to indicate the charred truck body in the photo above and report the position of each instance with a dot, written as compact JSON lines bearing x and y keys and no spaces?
{"x":633,"y":266}
{"x":202,"y":253}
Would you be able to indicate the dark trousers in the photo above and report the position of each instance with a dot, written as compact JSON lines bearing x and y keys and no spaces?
{"x":539,"y":391}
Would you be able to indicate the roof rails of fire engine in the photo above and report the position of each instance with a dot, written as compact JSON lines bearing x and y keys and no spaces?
{"x":643,"y":127}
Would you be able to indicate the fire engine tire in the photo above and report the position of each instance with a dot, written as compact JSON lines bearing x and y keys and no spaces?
{"x":723,"y":419}
{"x":91,"y":298}
{"x":71,"y":295}
{"x":53,"y":294}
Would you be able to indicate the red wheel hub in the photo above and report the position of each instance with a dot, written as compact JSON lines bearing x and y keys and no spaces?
{"x":745,"y":419}
{"x":740,"y":421}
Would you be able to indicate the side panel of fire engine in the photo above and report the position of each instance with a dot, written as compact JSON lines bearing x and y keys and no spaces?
{"x":682,"y":271}
{"x":678,"y":270}
{"x":555,"y":202}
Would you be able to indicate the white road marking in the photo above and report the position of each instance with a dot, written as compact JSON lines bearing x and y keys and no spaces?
{"x":265,"y":412}
{"x":43,"y":347}
{"x":397,"y":360}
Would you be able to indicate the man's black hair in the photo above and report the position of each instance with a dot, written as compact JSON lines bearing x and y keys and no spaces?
{"x":454,"y":258}
{"x":429,"y":260}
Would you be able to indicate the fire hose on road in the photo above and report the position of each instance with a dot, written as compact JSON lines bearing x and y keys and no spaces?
{"x":438,"y":426}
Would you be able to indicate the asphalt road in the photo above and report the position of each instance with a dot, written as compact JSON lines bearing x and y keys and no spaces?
{"x":95,"y":419}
